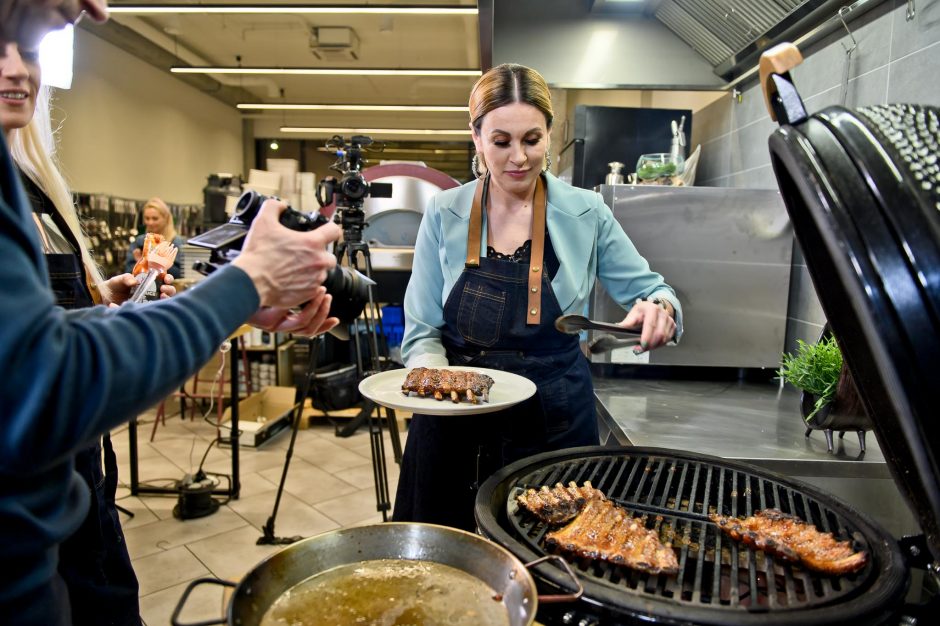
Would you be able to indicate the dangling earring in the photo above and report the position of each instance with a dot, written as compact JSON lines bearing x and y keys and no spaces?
{"x":548,"y":161}
{"x":475,"y":166}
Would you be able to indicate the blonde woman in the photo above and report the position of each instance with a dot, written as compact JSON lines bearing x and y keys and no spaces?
{"x":68,"y":376}
{"x":157,"y":219}
{"x":94,"y":561}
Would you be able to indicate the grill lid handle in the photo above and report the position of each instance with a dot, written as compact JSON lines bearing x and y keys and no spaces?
{"x":783,"y":102}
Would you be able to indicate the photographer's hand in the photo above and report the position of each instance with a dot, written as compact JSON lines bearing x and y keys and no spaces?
{"x":310,"y":321}
{"x":286,"y":266}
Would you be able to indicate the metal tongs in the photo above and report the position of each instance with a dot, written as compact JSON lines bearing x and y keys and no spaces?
{"x":573,"y":324}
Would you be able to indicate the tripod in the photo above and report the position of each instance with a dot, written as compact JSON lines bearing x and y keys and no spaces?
{"x":350,"y":248}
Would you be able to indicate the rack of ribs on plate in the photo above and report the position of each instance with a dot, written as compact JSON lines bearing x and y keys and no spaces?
{"x":455,"y":384}
{"x":791,"y":539}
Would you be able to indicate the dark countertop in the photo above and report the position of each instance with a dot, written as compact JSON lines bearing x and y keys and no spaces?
{"x":757,"y":422}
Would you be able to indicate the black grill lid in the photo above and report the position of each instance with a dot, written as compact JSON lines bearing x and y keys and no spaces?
{"x":863,"y":192}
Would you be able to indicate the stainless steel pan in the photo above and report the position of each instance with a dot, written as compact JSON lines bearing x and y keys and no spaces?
{"x":473,"y":554}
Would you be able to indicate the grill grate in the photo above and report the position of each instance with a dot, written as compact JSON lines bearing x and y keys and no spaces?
{"x":674,"y":497}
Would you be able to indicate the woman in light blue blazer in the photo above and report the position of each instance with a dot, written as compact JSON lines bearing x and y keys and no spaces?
{"x":496,"y":262}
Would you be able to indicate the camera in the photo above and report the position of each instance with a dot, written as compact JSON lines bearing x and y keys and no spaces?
{"x":349,"y":288}
{"x":351,"y":189}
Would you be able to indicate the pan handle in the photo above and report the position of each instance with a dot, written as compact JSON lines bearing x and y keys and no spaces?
{"x":174,"y":619}
{"x":562,"y":597}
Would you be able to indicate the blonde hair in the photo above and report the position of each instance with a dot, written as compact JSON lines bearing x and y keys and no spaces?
{"x":158,"y":205}
{"x":33,"y":149}
{"x":506,"y":84}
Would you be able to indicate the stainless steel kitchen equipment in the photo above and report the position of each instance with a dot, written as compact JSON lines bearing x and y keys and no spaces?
{"x":391,"y":224}
{"x":615,"y":176}
{"x":484,"y":560}
{"x":727,"y":254}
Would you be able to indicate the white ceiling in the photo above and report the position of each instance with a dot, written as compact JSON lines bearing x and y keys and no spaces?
{"x":284,"y":40}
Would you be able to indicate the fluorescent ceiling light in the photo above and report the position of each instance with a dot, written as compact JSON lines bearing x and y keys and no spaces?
{"x":310,"y":71}
{"x":355,"y":107}
{"x":55,"y":58}
{"x":373,"y":131}
{"x":146,"y":9}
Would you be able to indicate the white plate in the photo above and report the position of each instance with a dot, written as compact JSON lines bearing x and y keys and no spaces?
{"x":508,"y":389}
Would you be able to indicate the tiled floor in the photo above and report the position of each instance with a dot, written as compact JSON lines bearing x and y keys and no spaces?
{"x":329,"y":486}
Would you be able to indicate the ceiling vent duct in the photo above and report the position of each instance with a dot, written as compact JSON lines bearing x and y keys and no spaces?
{"x":334,"y":43}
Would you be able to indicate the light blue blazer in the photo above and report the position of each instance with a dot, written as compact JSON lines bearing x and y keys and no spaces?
{"x":587,"y":240}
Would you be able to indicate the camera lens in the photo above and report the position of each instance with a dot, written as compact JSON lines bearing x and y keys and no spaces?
{"x":248,"y":206}
{"x":354,"y":187}
{"x":350,"y":293}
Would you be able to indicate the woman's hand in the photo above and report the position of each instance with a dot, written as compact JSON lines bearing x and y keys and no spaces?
{"x":657,"y":325}
{"x":122,"y":286}
{"x":310,"y":321}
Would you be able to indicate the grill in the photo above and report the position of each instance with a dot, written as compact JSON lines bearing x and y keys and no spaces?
{"x":719,"y":581}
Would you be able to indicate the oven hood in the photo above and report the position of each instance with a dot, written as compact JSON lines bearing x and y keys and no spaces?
{"x":667,"y":44}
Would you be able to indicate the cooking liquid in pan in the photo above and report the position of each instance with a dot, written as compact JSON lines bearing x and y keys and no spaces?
{"x":389,"y":592}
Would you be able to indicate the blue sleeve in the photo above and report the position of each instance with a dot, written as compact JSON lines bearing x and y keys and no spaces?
{"x":424,"y":306}
{"x":67,"y":377}
{"x":623,"y":271}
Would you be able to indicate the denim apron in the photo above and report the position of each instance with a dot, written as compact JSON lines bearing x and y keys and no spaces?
{"x":93,"y":562}
{"x":487,"y":323}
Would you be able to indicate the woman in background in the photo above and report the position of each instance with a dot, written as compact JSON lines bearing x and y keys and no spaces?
{"x":94,"y":561}
{"x":157,"y":219}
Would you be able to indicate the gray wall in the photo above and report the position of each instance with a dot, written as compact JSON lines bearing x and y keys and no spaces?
{"x":896,"y":61}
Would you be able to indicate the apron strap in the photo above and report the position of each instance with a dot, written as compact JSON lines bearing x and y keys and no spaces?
{"x":534,"y":312}
{"x":534,"y":304}
{"x":476,"y":225}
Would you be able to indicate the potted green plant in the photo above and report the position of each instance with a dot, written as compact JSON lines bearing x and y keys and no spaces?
{"x":829,"y":400}
{"x":814,"y":369}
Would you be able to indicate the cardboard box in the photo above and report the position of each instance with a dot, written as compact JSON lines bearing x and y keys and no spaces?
{"x":262,"y":415}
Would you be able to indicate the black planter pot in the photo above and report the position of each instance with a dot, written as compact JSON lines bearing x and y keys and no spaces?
{"x":827,"y":419}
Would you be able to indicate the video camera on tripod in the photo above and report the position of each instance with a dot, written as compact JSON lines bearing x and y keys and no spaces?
{"x":351,"y":189}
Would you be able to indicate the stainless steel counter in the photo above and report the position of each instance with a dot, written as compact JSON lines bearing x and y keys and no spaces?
{"x":757,"y":422}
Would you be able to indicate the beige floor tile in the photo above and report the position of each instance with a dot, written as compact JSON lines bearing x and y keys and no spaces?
{"x":232,"y":555}
{"x":142,"y":514}
{"x":351,"y":508}
{"x":327,"y":455}
{"x":170,"y":533}
{"x":158,"y":470}
{"x":253,"y":484}
{"x":309,"y":483}
{"x":167,"y":568}
{"x":294,"y":517}
{"x":362,"y":476}
{"x":249,"y":460}
{"x":205,"y":603}
{"x":161,"y":506}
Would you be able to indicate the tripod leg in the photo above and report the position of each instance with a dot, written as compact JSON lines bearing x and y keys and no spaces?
{"x":269,"y":538}
{"x":379,"y":467}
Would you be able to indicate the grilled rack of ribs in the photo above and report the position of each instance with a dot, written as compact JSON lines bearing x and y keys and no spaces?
{"x":791,"y":539}
{"x":607,"y":532}
{"x":456,"y":384}
{"x":559,"y":504}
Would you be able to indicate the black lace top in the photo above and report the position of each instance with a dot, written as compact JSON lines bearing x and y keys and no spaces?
{"x":521,"y":255}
